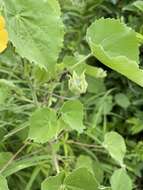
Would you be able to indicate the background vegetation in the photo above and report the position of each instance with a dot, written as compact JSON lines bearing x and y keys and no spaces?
{"x":111,"y":103}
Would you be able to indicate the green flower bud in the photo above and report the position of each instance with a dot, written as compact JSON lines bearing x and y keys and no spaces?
{"x":101,"y":73}
{"x":77,"y":84}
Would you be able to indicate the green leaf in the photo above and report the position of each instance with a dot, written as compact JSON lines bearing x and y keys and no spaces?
{"x":139,"y":37}
{"x":122,"y":100}
{"x":139,"y":5}
{"x":44,"y":125}
{"x":35,"y":29}
{"x":3,"y":183}
{"x":115,"y":145}
{"x":72,"y":114}
{"x":95,"y":71}
{"x":4,"y":158}
{"x":53,"y":183}
{"x":116,"y":47}
{"x":26,"y":162}
{"x":136,"y":125}
{"x":85,"y":162}
{"x":81,"y":179}
{"x":98,"y":171}
{"x":104,"y":105}
{"x":120,"y":180}
{"x":92,"y":166}
{"x":4,"y":94}
{"x":9,"y":56}
{"x":95,"y":85}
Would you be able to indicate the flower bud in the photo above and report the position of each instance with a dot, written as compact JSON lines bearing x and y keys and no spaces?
{"x":77,"y":83}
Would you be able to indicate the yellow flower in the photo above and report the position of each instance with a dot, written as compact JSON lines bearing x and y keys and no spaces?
{"x":3,"y":35}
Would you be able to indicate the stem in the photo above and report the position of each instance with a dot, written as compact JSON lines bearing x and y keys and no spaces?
{"x":56,"y":164}
{"x":35,"y":99}
{"x":104,"y":124}
{"x":82,"y":60}
{"x":83,"y":144}
{"x":55,"y":159}
{"x":33,"y":92}
{"x":94,"y":138}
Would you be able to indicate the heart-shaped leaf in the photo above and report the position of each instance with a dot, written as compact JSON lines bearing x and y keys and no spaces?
{"x":35,"y":29}
{"x":116,"y":45}
{"x":72,"y":115}
{"x":120,"y":180}
{"x":115,"y":145}
{"x":44,"y":125}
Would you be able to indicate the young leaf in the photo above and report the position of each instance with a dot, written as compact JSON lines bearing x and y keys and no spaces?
{"x":72,"y":114}
{"x":53,"y":183}
{"x":116,"y":47}
{"x":35,"y":29}
{"x":3,"y":183}
{"x":115,"y":145}
{"x":43,"y":125}
{"x":122,"y":100}
{"x":81,"y":179}
{"x":120,"y":180}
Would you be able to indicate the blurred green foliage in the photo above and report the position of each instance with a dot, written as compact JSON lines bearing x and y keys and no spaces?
{"x":110,"y":103}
